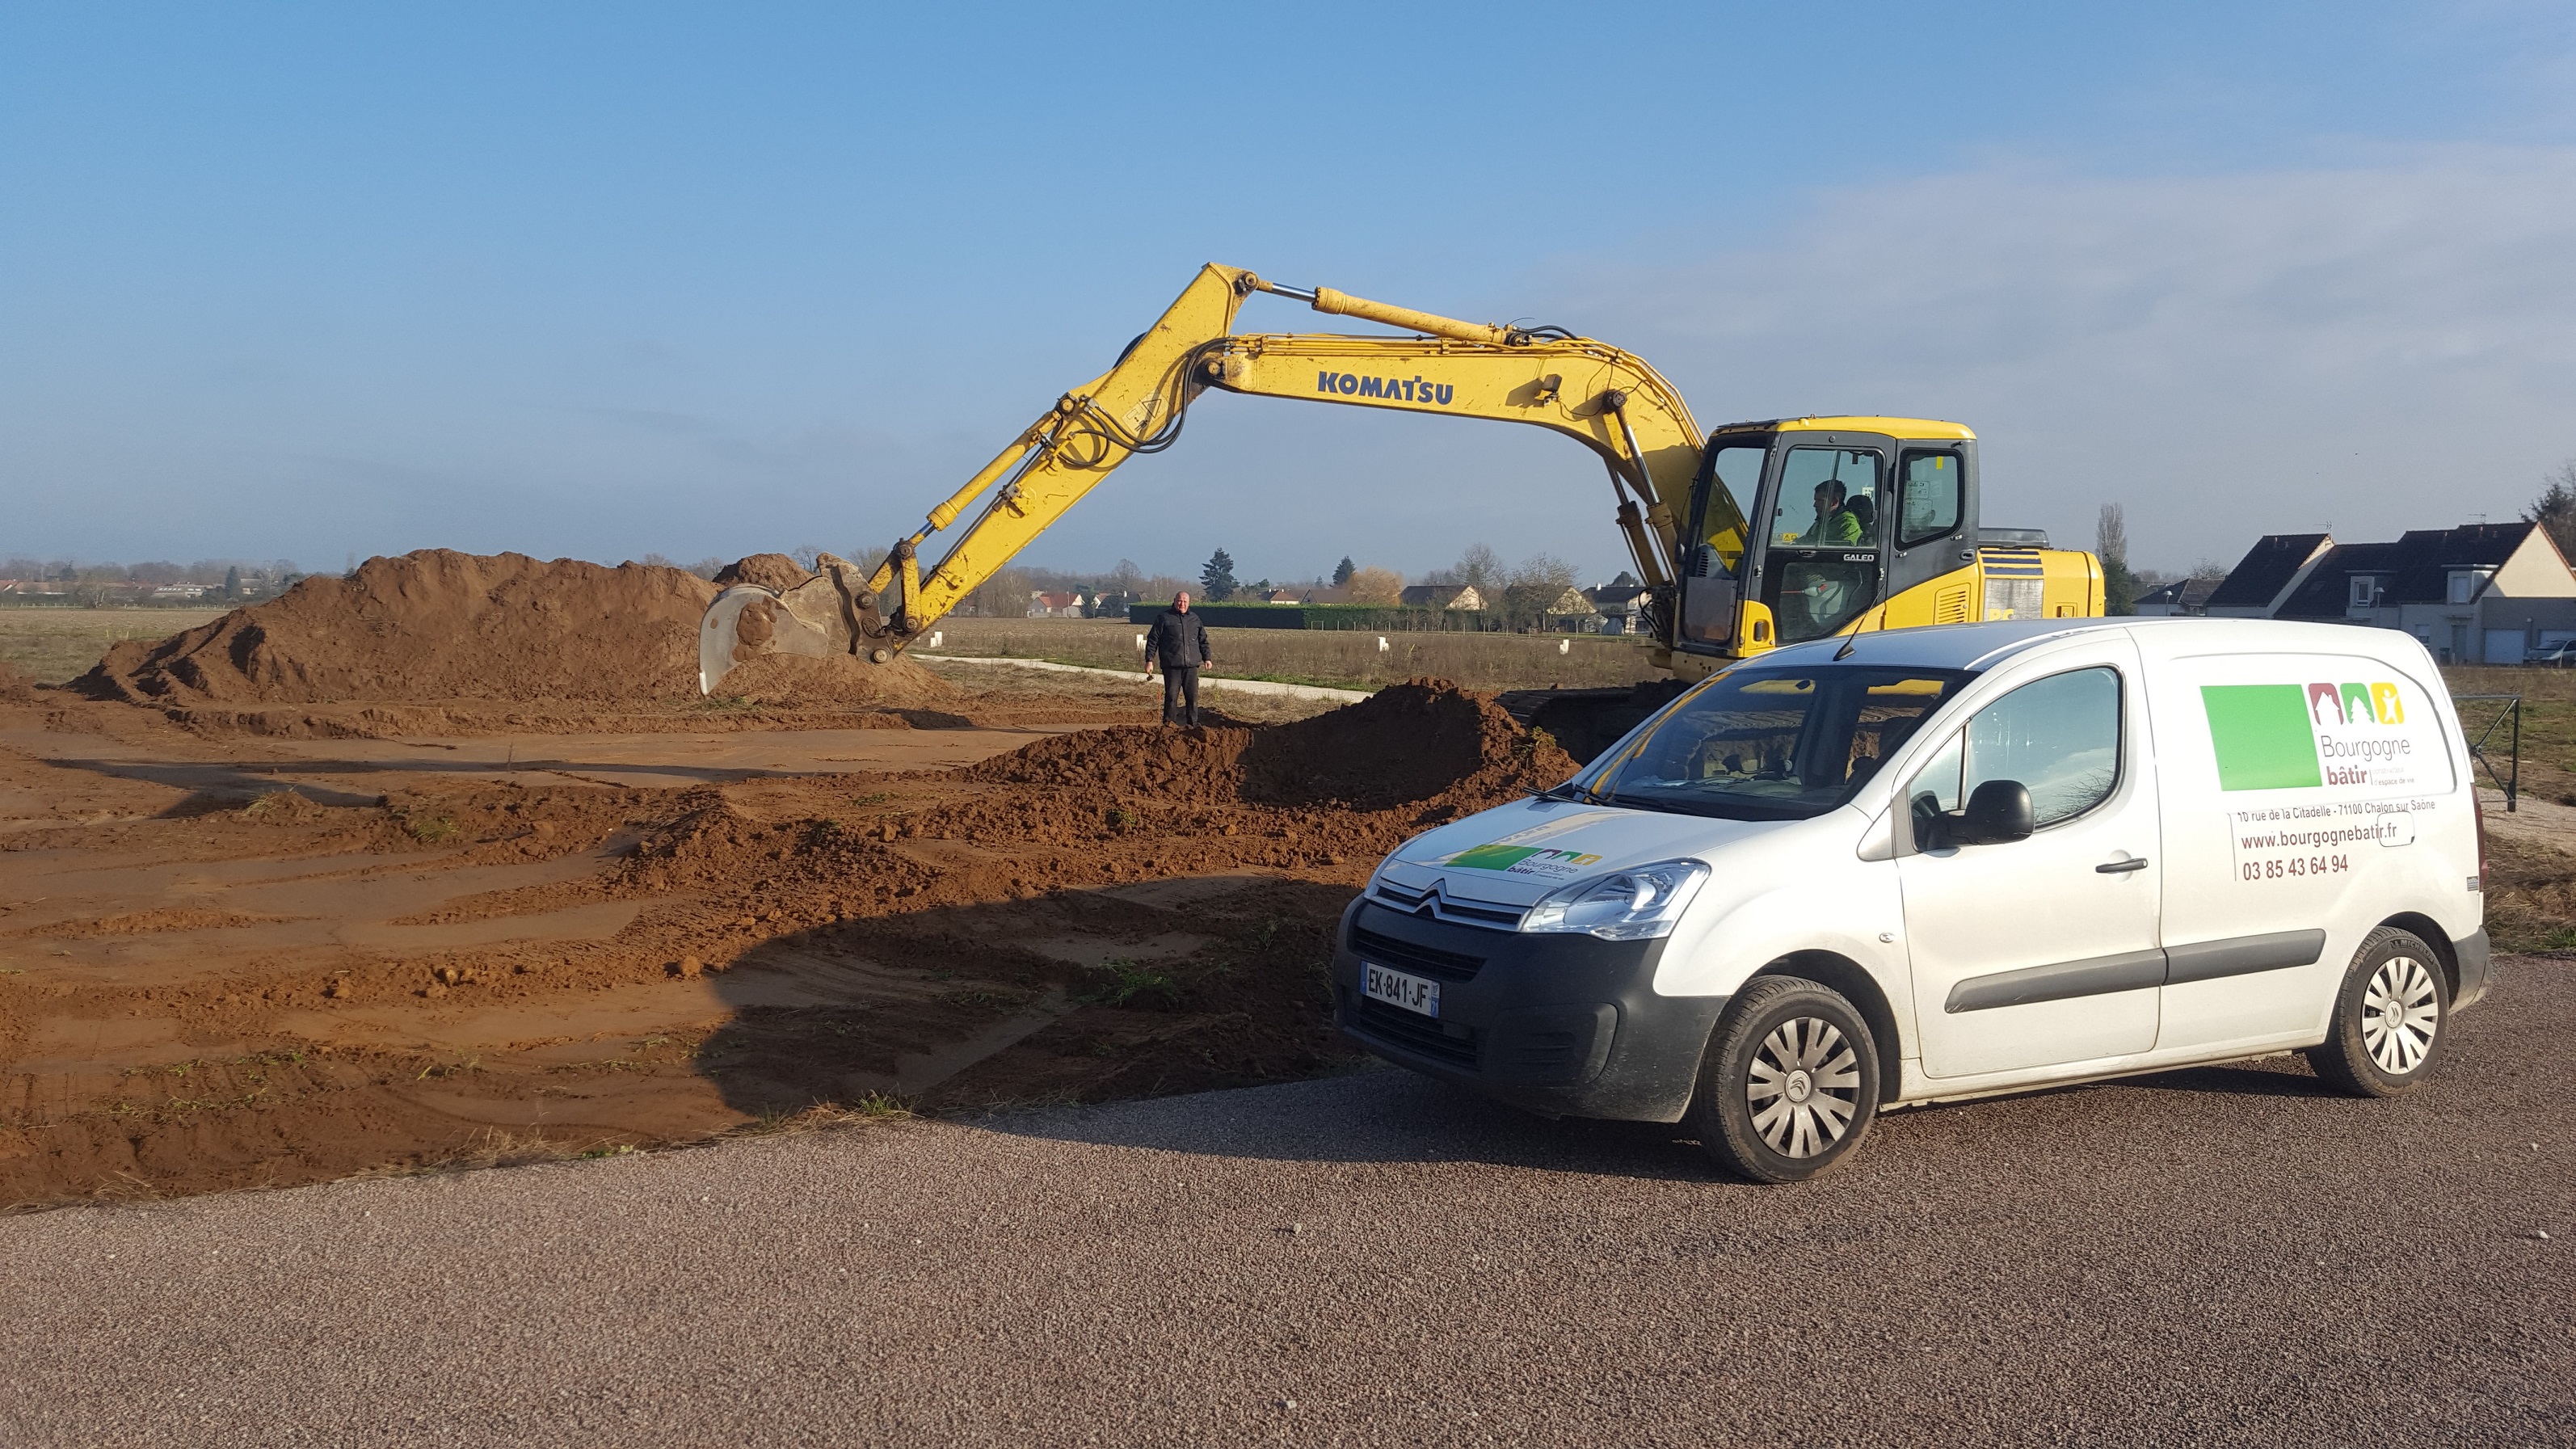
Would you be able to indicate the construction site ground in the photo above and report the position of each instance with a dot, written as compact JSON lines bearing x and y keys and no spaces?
{"x":246,"y":942}
{"x":274,"y":909}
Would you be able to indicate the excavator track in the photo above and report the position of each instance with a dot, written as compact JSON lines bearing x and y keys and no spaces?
{"x":1584,"y":722}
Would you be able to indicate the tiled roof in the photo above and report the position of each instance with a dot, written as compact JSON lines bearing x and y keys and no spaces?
{"x":2258,"y":577}
{"x":2416,"y":569}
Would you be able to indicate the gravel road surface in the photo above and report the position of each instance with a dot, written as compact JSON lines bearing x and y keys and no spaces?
{"x":2214,"y":1256}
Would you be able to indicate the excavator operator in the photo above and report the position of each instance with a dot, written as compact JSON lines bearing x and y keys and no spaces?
{"x":1835,"y":523}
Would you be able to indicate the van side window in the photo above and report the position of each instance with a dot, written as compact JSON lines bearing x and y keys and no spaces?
{"x":2059,"y":736}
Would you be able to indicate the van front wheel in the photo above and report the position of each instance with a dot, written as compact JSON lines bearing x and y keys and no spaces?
{"x":1790,"y":1083}
{"x":2388,"y":1018}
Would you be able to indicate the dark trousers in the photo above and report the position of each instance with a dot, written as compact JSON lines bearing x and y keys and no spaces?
{"x":1180,"y":687}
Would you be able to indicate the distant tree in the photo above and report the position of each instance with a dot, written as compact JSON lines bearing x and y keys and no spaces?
{"x":232,"y":582}
{"x":1126,"y":578}
{"x":1342,"y":572}
{"x":1374,"y":586}
{"x":2111,"y":545}
{"x":1003,"y":596}
{"x":2555,"y":508}
{"x":1530,"y":588}
{"x":1216,"y":577}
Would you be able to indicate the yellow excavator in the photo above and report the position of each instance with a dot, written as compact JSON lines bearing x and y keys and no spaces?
{"x":1854,"y":523}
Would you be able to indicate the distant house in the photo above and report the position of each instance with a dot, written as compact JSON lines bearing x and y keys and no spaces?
{"x":180,"y":591}
{"x":1283,"y":596}
{"x":1621,"y":604}
{"x":2482,"y":593}
{"x":1055,"y":606}
{"x":1570,"y":610}
{"x":2182,"y":596}
{"x":2263,"y":579}
{"x":1443,"y":596}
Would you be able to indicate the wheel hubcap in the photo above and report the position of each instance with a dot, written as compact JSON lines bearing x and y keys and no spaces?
{"x":1804,"y":1087}
{"x":2399,"y":1015}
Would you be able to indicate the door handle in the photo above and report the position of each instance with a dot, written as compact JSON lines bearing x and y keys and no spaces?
{"x":2122,"y":867}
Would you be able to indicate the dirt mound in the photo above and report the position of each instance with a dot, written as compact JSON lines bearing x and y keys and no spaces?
{"x":796,"y":679}
{"x":431,"y":625}
{"x":770,"y":570}
{"x":1423,"y":740}
{"x":15,"y":687}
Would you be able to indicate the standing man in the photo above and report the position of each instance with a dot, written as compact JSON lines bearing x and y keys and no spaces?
{"x":1178,"y":644}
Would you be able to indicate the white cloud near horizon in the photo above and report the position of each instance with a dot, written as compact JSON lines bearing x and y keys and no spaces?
{"x":2380,"y":347}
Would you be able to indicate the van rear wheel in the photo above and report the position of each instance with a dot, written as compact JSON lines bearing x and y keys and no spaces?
{"x":1789,"y":1084}
{"x":2388,"y":1018}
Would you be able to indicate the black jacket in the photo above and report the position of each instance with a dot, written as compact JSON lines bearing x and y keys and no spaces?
{"x":1177,"y":641}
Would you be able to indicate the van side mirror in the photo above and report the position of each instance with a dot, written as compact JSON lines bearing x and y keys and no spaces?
{"x":1998,"y":813}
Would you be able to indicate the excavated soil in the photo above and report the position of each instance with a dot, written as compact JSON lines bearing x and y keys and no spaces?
{"x":434,"y":629}
{"x":434,"y":625}
{"x":796,"y":680}
{"x":1407,"y":743}
{"x":233,"y":958}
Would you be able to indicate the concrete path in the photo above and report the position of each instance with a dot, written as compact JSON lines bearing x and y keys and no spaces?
{"x":2216,"y":1256}
{"x":1130,"y":676}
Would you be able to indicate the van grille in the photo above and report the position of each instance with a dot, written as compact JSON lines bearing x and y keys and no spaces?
{"x":1420,"y":960}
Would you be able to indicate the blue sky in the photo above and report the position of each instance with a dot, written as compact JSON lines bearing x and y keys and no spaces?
{"x":600,"y":280}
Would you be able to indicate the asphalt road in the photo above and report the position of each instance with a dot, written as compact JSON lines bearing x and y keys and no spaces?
{"x":2217,"y":1256}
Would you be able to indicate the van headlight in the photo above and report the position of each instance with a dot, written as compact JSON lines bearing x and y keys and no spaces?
{"x":1636,"y":904}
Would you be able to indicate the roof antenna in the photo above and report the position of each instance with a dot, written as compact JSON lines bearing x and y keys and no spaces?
{"x":1851,"y":641}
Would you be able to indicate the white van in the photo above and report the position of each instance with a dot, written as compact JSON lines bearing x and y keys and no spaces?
{"x":1939,"y":863}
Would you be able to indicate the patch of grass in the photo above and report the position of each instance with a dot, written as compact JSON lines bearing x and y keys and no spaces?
{"x":723,"y":704}
{"x":1132,"y":983}
{"x":1121,"y":819}
{"x":618,"y":1150}
{"x":52,"y":644}
{"x":427,"y":829}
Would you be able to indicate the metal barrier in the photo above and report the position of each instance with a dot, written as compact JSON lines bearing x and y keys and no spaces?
{"x":2508,"y":710}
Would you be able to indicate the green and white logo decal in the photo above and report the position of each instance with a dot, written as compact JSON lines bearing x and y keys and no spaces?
{"x":1515,"y":854}
{"x":2301,"y":736}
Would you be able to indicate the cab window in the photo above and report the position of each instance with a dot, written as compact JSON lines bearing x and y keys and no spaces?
{"x":1829,"y":498}
{"x":1735,"y":473}
{"x":2059,"y":736}
{"x":1930,"y":497}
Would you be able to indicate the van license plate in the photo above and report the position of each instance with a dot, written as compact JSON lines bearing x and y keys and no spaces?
{"x":1413,"y":993}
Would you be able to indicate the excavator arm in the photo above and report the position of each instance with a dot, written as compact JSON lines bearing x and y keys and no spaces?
{"x":1609,"y":400}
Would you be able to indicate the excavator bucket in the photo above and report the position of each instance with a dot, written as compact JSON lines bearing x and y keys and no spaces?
{"x":748,"y":620}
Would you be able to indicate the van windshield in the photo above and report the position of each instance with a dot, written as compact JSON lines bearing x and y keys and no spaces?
{"x":1771,"y":744}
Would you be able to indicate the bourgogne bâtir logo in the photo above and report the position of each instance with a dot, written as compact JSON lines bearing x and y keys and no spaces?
{"x":2289,"y":736}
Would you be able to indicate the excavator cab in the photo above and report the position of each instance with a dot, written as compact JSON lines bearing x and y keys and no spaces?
{"x":1848,"y":517}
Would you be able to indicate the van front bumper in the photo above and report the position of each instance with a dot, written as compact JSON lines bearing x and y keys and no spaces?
{"x":1564,"y":1024}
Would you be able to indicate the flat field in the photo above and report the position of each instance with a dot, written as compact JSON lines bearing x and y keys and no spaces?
{"x":52,"y":645}
{"x":1339,"y":658}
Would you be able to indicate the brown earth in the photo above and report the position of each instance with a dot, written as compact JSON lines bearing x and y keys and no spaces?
{"x":436,"y":627}
{"x":252,"y":938}
{"x":770,"y":570}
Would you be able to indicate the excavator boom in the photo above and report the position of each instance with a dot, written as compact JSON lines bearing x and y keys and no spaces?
{"x":1609,"y":400}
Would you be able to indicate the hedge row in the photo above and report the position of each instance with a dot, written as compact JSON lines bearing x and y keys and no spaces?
{"x":1325,"y":616}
